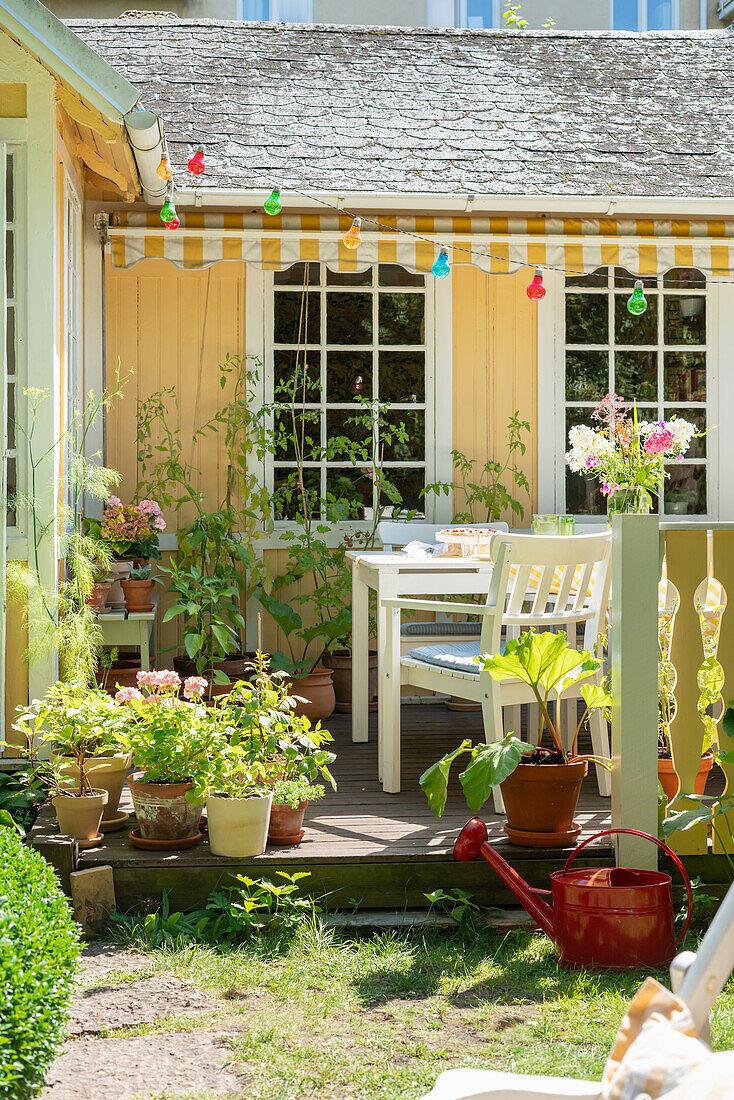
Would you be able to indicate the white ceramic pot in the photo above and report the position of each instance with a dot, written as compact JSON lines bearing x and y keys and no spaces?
{"x":238,"y":827}
{"x":119,"y":571}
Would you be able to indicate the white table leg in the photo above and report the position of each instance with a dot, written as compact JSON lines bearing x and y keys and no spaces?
{"x":360,"y":656}
{"x":389,"y":736}
{"x":144,"y":628}
{"x":387,"y":587}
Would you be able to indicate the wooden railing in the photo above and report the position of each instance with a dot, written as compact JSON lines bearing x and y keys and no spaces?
{"x":672,"y":578}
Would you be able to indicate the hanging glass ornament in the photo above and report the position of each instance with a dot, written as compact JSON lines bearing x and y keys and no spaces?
{"x":353,"y":238}
{"x":272,"y":204}
{"x":637,"y":303}
{"x":164,"y":170}
{"x":536,"y":290}
{"x":168,"y":211}
{"x":196,"y":164}
{"x":441,"y":266}
{"x":173,"y":224}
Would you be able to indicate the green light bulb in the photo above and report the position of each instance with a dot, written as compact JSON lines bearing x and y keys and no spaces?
{"x":636,"y":303}
{"x":168,"y":211}
{"x":272,"y":204}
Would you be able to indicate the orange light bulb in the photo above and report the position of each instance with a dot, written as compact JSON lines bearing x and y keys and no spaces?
{"x":353,"y":238}
{"x":164,"y":170}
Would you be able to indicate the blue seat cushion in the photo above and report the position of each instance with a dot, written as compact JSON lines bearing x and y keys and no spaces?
{"x":441,"y":629}
{"x":458,"y":657}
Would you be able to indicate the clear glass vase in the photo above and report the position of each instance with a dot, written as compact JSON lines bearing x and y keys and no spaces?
{"x":629,"y":500}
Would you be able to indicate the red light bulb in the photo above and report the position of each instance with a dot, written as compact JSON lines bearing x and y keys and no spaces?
{"x":196,"y":164}
{"x":536,"y":290}
{"x":172,"y":225}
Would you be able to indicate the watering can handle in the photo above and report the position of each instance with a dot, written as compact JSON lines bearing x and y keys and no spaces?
{"x":662,"y":847}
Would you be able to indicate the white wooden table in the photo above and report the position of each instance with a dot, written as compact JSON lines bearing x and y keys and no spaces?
{"x":123,"y":628}
{"x":391,"y":574}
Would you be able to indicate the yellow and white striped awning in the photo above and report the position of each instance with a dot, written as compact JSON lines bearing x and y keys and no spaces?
{"x":496,"y":245}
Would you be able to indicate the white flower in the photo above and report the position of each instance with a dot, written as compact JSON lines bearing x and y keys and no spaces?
{"x":683,"y":432}
{"x":589,"y":448}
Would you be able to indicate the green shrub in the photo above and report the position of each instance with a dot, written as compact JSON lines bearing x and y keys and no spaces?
{"x":39,"y":947}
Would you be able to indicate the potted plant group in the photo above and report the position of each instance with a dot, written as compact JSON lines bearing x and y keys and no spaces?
{"x":84,"y":731}
{"x":173,"y":742}
{"x":540,"y":787}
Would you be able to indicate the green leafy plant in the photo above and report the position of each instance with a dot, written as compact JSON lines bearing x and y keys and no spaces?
{"x":58,"y":617}
{"x":140,"y":572}
{"x":292,"y":792}
{"x":458,"y":905}
{"x":487,"y":492}
{"x":21,"y":796}
{"x":548,"y":665}
{"x":39,"y":948}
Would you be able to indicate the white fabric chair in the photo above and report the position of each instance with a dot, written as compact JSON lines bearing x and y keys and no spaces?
{"x":539,"y":582}
{"x":696,"y":978}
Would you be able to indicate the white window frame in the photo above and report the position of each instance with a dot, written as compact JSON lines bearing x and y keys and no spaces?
{"x":17,"y":153}
{"x":642,"y":15}
{"x":438,"y":390}
{"x":552,"y":441}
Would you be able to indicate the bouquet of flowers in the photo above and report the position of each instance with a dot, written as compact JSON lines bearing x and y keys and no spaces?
{"x":129,"y":530}
{"x":627,"y":455}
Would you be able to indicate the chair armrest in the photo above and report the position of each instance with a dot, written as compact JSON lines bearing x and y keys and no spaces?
{"x":440,"y":605}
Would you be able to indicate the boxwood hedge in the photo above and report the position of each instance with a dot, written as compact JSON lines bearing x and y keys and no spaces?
{"x":39,"y":947}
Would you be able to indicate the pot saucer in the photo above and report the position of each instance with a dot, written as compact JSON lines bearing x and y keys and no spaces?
{"x":93,"y":843}
{"x":113,"y":823}
{"x":285,"y":841}
{"x":163,"y":845}
{"x":567,"y":838}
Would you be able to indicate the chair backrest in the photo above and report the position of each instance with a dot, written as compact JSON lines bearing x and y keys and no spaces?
{"x":556,"y":581}
{"x":394,"y":533}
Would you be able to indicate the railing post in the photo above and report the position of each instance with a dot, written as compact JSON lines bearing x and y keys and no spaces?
{"x":633,"y":640}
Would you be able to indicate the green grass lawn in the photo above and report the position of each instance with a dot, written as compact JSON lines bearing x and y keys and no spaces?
{"x":380,"y":1017}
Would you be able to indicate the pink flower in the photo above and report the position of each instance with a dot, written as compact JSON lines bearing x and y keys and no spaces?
{"x":149,"y":507}
{"x":114,"y":502}
{"x":147,"y":679}
{"x":169,"y":679}
{"x":126,"y":695}
{"x":159,"y":523}
{"x":659,"y":441}
{"x":194,"y":687}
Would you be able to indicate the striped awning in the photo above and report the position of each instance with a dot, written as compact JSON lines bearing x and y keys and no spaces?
{"x":496,"y":245}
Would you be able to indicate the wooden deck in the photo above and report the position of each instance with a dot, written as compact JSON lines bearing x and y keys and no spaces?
{"x":363,"y":848}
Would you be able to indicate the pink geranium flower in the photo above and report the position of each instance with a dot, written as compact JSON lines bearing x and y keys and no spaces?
{"x":126,"y":695}
{"x":659,"y":441}
{"x":194,"y":687}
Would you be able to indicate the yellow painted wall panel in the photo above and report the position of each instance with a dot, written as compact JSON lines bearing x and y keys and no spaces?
{"x":16,"y":671}
{"x":13,"y":101}
{"x":495,"y":355}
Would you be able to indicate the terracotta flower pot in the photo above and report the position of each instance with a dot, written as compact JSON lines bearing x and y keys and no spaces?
{"x":669,"y":779}
{"x":107,"y":773}
{"x":80,"y":816}
{"x":286,"y":824}
{"x":314,"y":694}
{"x":138,"y":595}
{"x":540,"y":801}
{"x":238,"y":827}
{"x":340,"y":664}
{"x":97,"y":598}
{"x":162,"y":810}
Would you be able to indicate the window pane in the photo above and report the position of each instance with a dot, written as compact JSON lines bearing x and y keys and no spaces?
{"x":291,"y":11}
{"x":289,"y":368}
{"x":660,"y":15}
{"x":624,"y":15}
{"x":9,"y":264}
{"x":685,"y":320}
{"x":685,"y":376}
{"x":685,"y":490}
{"x":11,"y":416}
{"x":684,"y":278}
{"x":9,"y":190}
{"x":348,"y":318}
{"x":12,"y":476}
{"x":294,"y":322}
{"x":348,"y":375}
{"x":408,"y":484}
{"x":583,"y":496}
{"x":295,"y":275}
{"x":595,"y":278}
{"x":401,"y":318}
{"x":345,"y":427}
{"x":10,"y":340}
{"x":307,"y":434}
{"x":348,"y":493}
{"x":394,"y":275}
{"x":479,"y":14}
{"x":587,"y":319}
{"x":631,"y":329}
{"x":624,"y":279}
{"x":587,"y":375}
{"x":636,"y":375}
{"x":287,"y":493}
{"x":404,"y":435}
{"x":402,"y":376}
{"x":254,"y":10}
{"x":697,"y":448}
{"x":349,"y":278}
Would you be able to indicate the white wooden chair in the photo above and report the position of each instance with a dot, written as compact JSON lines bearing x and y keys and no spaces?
{"x":696,"y":978}
{"x":538,"y":582}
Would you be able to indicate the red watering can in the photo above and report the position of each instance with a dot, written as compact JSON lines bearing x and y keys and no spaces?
{"x":602,"y":917}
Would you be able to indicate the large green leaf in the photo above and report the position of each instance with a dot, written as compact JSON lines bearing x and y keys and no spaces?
{"x":490,"y":765}
{"x":287,"y":619}
{"x":596,"y":696}
{"x":544,"y":661}
{"x":435,"y":780}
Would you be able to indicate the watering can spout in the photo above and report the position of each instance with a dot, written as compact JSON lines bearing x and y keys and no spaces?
{"x":472,"y":842}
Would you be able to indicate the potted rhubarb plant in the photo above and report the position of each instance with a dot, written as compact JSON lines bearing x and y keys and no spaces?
{"x":540,"y":786}
{"x":173,"y":742}
{"x":85,"y":733}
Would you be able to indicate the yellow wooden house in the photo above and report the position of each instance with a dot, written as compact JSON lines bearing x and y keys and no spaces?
{"x":598,"y":159}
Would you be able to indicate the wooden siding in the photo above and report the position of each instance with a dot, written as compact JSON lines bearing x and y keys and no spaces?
{"x":13,"y":100}
{"x":16,"y":672}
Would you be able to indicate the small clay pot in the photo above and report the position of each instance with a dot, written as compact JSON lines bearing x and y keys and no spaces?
{"x":669,"y":778}
{"x":97,"y":598}
{"x":162,"y":810}
{"x":286,"y":824}
{"x":541,"y":799}
{"x":314,"y":694}
{"x":138,"y":595}
{"x":80,"y":816}
{"x":107,"y":773}
{"x":340,"y":664}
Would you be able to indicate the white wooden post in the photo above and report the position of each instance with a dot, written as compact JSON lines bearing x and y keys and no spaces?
{"x":634,"y":651}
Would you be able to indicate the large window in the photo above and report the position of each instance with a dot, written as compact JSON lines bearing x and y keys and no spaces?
{"x":350,"y":362}
{"x":474,"y":14}
{"x":658,"y":359}
{"x":12,"y":326}
{"x":645,"y":15}
{"x":277,"y":11}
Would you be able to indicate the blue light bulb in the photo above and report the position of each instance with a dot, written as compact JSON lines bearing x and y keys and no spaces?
{"x":441,"y":267}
